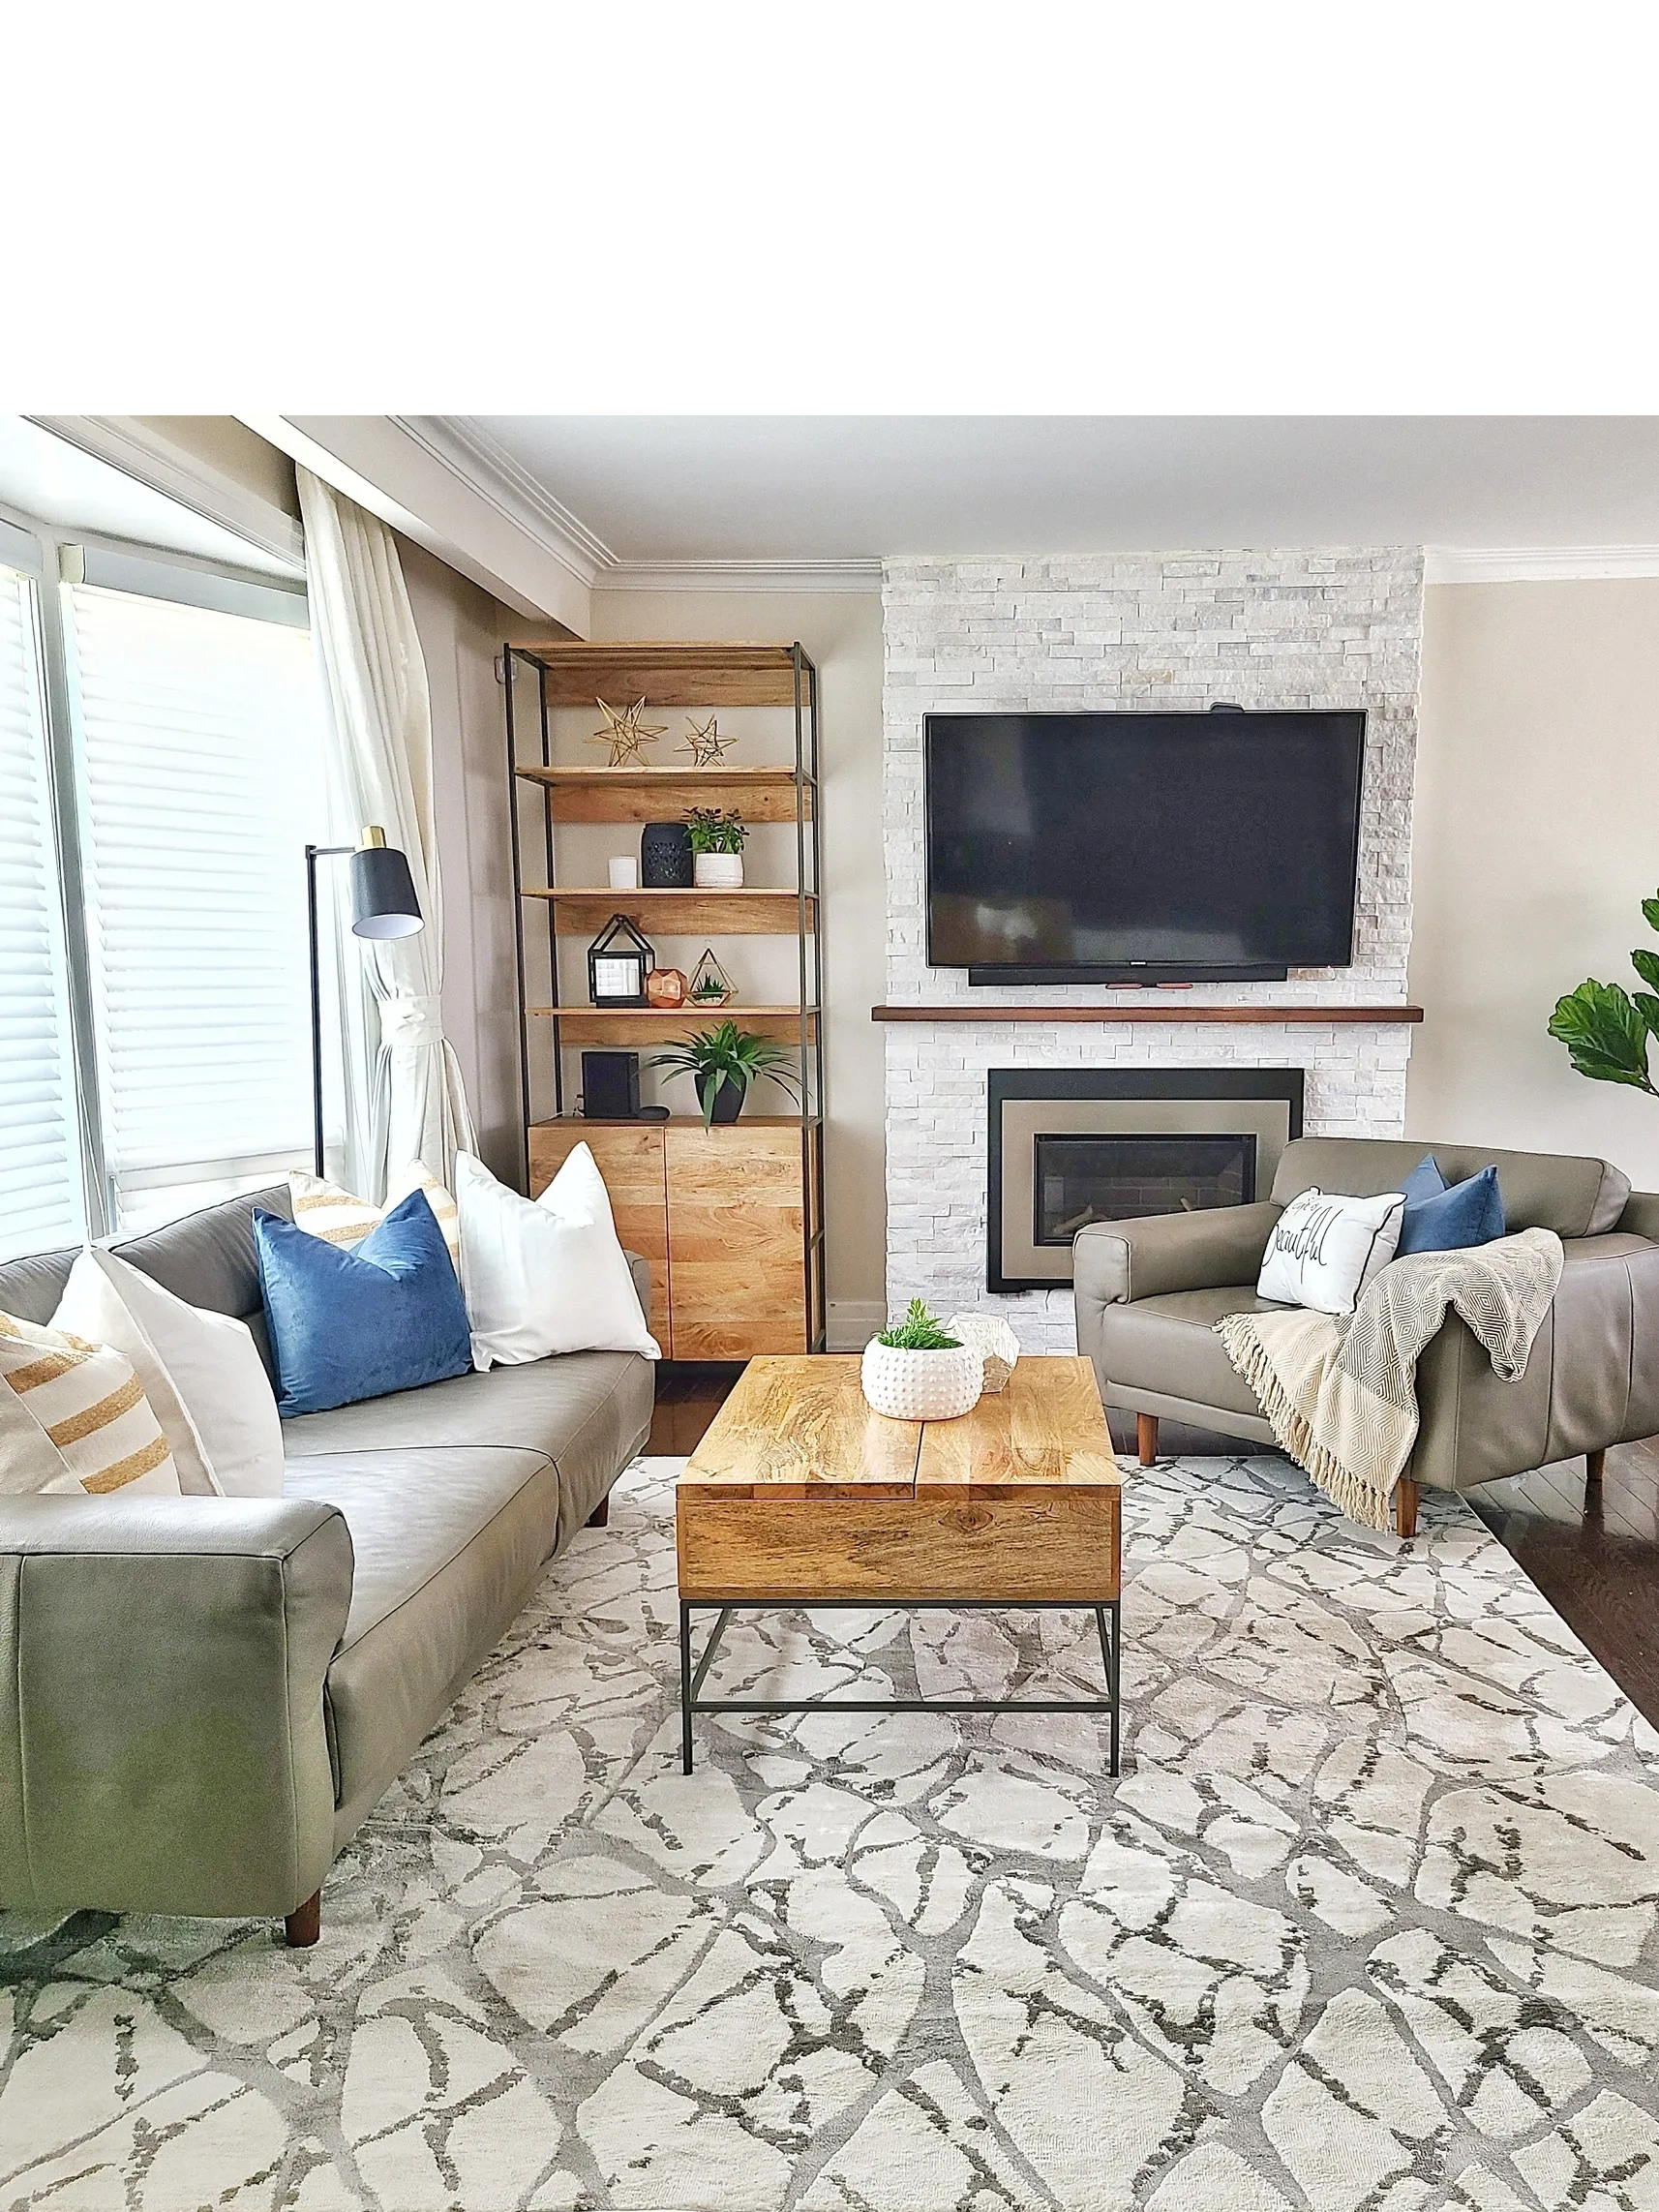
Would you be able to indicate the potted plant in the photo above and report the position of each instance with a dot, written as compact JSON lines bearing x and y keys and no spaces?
{"x":717,"y":841}
{"x":723,"y":1062}
{"x":920,"y":1371}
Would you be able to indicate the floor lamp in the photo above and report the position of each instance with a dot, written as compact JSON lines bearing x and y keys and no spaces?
{"x":383,"y":905}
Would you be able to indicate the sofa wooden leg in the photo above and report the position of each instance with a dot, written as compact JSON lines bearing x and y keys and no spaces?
{"x":1146,"y":1438}
{"x":304,"y":1924}
{"x":1406,"y":1506}
{"x":601,"y":1517}
{"x":1594,"y":1465}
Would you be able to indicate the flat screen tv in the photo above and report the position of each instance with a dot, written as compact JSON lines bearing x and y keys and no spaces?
{"x":1141,"y":848}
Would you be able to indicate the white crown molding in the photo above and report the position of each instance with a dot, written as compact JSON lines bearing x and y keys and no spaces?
{"x":153,"y":459}
{"x":480,"y":462}
{"x":741,"y":576}
{"x":1537,"y":563}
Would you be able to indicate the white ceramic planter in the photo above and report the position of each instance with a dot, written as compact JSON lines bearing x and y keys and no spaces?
{"x":717,"y":872}
{"x":922,"y":1385}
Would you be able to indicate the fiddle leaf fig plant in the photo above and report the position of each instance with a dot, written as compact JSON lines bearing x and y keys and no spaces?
{"x":1607,"y":1029}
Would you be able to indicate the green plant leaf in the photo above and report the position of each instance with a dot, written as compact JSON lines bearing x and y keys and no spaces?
{"x":727,"y":1053}
{"x":1650,"y":912}
{"x":1648,"y":1005}
{"x":1647,"y":966}
{"x":919,"y":1331}
{"x":1605,"y":1035}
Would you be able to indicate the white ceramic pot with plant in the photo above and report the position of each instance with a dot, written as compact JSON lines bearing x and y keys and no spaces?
{"x":717,"y":841}
{"x":919,"y":1372}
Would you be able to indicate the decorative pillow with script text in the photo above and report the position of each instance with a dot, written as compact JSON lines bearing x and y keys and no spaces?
{"x":1325,"y":1249}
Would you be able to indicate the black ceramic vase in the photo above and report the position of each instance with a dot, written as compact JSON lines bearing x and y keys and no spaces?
{"x":728,"y":1100}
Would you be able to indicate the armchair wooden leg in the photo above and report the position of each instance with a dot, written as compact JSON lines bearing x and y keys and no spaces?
{"x":304,"y":1924}
{"x":1406,"y":1506}
{"x":601,"y":1517}
{"x":1146,"y":1438}
{"x":1594,"y":1464}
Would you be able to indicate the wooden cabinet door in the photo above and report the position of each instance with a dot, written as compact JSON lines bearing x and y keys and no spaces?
{"x":734,"y":1224}
{"x":630,"y":1158}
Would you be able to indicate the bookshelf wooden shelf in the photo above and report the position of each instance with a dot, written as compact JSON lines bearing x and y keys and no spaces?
{"x":660,"y":1025}
{"x":745,"y":913}
{"x":669,"y":674}
{"x":657,"y":793}
{"x":763,"y":1198}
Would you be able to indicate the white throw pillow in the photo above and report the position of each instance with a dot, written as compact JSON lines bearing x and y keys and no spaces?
{"x":549,"y":1276}
{"x":211,"y":1376}
{"x":1325,"y":1249}
{"x":74,"y":1419}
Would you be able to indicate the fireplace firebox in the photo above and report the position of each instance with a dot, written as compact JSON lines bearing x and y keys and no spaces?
{"x":1071,"y":1146}
{"x":1082,"y":1179}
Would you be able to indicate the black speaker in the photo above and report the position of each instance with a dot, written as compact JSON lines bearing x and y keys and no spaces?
{"x":611,"y":1086}
{"x":664,"y":857}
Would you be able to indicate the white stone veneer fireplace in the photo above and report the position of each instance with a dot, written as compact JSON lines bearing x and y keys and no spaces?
{"x":1322,"y":630}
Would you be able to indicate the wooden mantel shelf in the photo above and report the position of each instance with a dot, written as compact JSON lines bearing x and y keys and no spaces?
{"x":1319,"y":1016}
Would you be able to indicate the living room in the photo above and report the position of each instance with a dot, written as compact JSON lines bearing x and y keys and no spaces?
{"x":829,"y":1176}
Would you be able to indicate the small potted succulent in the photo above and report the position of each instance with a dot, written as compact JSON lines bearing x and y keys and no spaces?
{"x":722,"y":1062}
{"x":717,"y":841}
{"x":920,"y":1371}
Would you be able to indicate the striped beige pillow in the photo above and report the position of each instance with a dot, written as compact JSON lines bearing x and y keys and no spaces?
{"x":338,"y":1217}
{"x":75,"y":1419}
{"x":329,"y":1212}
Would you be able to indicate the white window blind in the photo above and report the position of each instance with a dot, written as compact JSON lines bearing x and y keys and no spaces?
{"x":205,"y":776}
{"x":41,"y":1190}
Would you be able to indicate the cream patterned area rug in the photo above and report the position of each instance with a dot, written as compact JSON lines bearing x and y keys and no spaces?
{"x":1368,"y":1921}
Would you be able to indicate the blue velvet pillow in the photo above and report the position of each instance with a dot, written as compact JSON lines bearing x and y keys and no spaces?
{"x":1456,"y":1219}
{"x":344,"y":1325}
{"x":1425,"y":1181}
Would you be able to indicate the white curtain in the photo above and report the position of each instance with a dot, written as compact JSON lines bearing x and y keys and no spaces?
{"x":375,"y":681}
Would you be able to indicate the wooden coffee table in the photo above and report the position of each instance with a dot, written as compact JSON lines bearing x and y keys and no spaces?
{"x":798,"y":1497}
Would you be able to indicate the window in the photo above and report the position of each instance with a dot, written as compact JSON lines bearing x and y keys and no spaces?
{"x":42,"y":1200}
{"x":202,"y":780}
{"x":155,"y":1048}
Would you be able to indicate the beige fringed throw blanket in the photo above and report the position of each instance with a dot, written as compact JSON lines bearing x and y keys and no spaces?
{"x":1342,"y":1395}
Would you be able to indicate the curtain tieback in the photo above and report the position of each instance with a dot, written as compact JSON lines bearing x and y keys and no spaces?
{"x":411,"y":1018}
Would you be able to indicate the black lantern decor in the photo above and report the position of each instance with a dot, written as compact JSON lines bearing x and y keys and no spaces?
{"x":664,"y":857}
{"x":618,"y":961}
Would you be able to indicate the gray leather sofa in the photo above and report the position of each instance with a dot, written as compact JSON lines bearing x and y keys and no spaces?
{"x":202,"y":1699}
{"x":1149,"y":1293}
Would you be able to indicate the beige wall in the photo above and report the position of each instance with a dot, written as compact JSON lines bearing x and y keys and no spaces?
{"x":1536,"y":834}
{"x":461,"y":631}
{"x":234,"y":450}
{"x":842,"y":631}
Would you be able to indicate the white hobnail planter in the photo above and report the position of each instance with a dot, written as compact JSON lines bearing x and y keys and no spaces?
{"x":718,"y":871}
{"x":922,"y":1385}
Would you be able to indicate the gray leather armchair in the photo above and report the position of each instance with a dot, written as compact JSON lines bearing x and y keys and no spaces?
{"x":1150,"y":1291}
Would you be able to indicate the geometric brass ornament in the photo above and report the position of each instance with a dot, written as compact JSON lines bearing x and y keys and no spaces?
{"x":625,"y":732}
{"x":704,"y":744}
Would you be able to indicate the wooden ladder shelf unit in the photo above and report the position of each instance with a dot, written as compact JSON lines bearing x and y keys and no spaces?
{"x":731,"y":1219}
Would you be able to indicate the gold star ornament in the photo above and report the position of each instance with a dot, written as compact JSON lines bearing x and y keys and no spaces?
{"x":625,"y":732}
{"x":706,"y":744}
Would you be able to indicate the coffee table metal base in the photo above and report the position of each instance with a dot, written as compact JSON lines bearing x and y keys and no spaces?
{"x":691,"y":1678}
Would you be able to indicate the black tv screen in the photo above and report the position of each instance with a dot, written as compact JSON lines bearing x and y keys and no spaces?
{"x":1127,"y":846}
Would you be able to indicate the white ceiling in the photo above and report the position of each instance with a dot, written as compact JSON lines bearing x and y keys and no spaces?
{"x":644,"y":489}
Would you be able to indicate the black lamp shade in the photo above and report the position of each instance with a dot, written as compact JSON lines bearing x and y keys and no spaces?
{"x":383,"y":901}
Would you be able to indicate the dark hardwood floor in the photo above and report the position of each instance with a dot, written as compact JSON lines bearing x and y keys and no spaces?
{"x":1592,"y":1549}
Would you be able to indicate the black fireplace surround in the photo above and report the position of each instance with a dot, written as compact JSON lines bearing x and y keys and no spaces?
{"x":1082,"y":1175}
